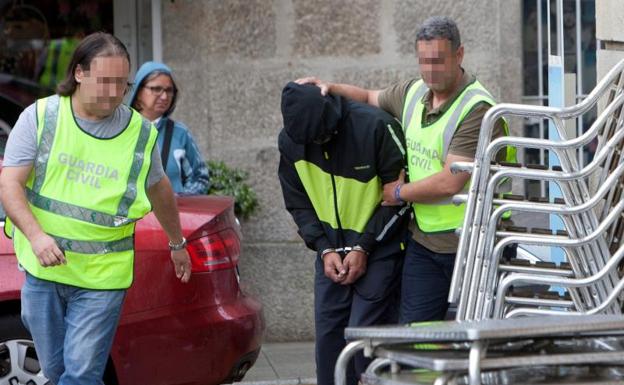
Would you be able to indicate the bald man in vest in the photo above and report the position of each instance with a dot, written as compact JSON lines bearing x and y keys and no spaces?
{"x":441,"y":114}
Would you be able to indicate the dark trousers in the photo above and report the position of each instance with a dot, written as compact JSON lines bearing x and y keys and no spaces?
{"x":372,"y":300}
{"x":426,"y":280}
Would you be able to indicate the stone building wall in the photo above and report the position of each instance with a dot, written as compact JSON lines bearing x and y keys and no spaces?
{"x":231,"y":58}
{"x":610,"y":34}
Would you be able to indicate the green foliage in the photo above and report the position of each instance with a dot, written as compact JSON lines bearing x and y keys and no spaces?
{"x":231,"y":182}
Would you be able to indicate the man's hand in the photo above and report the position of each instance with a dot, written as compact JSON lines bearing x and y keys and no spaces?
{"x":323,"y":85}
{"x":182,"y":264}
{"x":334,"y":269}
{"x":389,"y":189}
{"x":355,"y":263}
{"x":47,"y":251}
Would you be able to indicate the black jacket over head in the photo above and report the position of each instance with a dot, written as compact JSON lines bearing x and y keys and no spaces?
{"x":335,"y":155}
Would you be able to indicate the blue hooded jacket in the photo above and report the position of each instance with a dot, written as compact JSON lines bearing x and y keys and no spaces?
{"x":185,"y":166}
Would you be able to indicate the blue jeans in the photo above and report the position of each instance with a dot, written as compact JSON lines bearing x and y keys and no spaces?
{"x":425,"y":284}
{"x":72,"y":329}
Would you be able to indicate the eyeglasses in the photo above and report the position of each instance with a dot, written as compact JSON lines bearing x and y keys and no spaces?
{"x":158,"y":90}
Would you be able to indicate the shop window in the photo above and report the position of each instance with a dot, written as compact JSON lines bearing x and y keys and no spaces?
{"x":37,"y":38}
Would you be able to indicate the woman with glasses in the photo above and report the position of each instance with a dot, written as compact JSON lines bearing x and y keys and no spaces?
{"x":154,"y":95}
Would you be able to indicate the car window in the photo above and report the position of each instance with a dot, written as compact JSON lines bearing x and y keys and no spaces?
{"x":37,"y":37}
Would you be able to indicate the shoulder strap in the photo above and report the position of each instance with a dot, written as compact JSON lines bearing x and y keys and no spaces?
{"x":164,"y":152}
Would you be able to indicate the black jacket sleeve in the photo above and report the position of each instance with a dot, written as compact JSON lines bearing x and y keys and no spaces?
{"x":299,"y":206}
{"x":386,"y":221}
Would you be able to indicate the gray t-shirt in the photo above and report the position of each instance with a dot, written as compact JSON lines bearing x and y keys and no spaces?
{"x":21,"y":147}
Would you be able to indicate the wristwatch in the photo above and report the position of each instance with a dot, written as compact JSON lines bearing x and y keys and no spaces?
{"x":177,"y":246}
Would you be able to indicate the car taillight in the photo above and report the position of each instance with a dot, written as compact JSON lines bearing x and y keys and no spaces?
{"x":216,"y":251}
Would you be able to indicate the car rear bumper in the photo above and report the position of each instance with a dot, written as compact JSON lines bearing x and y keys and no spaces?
{"x":211,"y":344}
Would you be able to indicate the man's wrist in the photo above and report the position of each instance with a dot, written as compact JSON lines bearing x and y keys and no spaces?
{"x":360,"y":249}
{"x":327,"y":251}
{"x":397,"y":193}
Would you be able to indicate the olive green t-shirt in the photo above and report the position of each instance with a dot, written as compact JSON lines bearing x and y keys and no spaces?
{"x":464,"y":143}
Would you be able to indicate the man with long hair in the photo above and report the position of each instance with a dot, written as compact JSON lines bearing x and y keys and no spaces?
{"x":80,"y":169}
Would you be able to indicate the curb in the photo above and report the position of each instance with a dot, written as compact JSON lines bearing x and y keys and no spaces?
{"x":292,"y":381}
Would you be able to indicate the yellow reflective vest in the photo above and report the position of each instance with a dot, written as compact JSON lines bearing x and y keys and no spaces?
{"x":428,"y":145}
{"x":87,"y":193}
{"x":57,"y":61}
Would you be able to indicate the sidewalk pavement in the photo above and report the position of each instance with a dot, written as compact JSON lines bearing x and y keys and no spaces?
{"x":288,"y":363}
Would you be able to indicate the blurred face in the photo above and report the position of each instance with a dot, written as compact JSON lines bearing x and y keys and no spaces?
{"x":155,"y":96}
{"x":102,"y":87}
{"x":439,"y":63}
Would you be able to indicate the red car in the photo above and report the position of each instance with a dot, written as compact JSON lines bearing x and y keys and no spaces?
{"x":204,"y":332}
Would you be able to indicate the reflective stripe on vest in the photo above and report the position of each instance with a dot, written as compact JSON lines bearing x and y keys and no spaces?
{"x":45,"y":142}
{"x":137,"y":162}
{"x":87,"y":195}
{"x":90,"y":247}
{"x":409,"y":111}
{"x":428,"y":147}
{"x":76,"y":212}
{"x":86,"y":246}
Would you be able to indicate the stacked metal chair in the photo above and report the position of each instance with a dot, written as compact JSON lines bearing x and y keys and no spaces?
{"x":488,"y":344}
{"x":538,"y":350}
{"x":591,"y":214}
